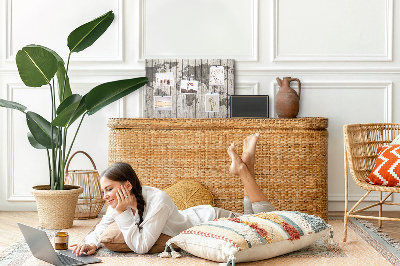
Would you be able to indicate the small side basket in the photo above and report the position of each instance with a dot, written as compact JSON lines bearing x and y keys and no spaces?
{"x":90,"y":202}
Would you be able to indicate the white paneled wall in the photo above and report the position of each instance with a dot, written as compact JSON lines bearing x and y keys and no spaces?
{"x":200,"y":29}
{"x":343,"y":52}
{"x":337,"y":30}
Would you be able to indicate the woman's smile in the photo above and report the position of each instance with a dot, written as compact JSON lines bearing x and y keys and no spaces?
{"x":110,"y":190}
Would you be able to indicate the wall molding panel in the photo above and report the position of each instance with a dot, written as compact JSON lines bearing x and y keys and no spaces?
{"x":11,"y":195}
{"x":386,"y":55}
{"x":249,"y":57}
{"x":317,"y":71}
{"x":246,"y":88}
{"x":80,"y":57}
{"x":140,"y":72}
{"x":385,"y":86}
{"x":7,"y":44}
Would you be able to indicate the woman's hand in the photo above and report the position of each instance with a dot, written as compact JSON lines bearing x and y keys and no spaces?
{"x":125,"y":199}
{"x":84,"y":248}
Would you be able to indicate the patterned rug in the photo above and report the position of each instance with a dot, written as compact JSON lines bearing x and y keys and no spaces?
{"x":365,"y":246}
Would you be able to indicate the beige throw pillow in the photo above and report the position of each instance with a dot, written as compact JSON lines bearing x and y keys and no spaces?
{"x":113,"y":239}
{"x":187,"y":193}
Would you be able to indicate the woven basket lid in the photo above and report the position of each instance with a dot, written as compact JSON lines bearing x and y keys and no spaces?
{"x":189,"y":193}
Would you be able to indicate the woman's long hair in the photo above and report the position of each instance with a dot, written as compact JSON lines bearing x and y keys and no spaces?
{"x":122,"y":172}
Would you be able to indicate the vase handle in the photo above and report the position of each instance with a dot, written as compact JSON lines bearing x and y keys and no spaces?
{"x":70,"y":158}
{"x":299,"y":84}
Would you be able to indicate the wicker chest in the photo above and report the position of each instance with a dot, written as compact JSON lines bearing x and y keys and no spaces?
{"x":291,"y":161}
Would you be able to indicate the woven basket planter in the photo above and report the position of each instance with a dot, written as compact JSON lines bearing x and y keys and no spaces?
{"x":56,"y":208}
{"x":91,"y":201}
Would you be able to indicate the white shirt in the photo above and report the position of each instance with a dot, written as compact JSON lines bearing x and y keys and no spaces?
{"x":160,"y":216}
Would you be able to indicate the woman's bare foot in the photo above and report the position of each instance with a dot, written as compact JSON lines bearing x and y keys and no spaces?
{"x":249,"y":149}
{"x":238,"y":167}
{"x":237,"y":163}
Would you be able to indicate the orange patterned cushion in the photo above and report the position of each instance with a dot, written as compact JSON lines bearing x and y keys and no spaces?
{"x":386,"y":171}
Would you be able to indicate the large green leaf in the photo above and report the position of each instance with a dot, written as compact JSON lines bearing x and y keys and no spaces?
{"x":41,"y":130}
{"x":79,"y":111}
{"x":67,"y":102}
{"x":47,"y":49}
{"x":85,"y":35}
{"x":61,"y":75}
{"x":62,"y":78}
{"x":34,"y":143}
{"x":104,"y":94}
{"x":66,"y":110}
{"x":36,"y":65}
{"x":12,"y":105}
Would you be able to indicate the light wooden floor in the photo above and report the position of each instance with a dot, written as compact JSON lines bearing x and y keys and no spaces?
{"x":10,"y":233}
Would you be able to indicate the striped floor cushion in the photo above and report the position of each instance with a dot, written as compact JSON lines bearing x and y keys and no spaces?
{"x":250,"y":237}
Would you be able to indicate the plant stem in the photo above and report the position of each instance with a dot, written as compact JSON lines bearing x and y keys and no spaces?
{"x":60,"y":173}
{"x":64,"y":144}
{"x":53,"y":83}
{"x":57,"y":152}
{"x":72,"y":143}
{"x":63,"y":136}
{"x":55,"y":147}
{"x":66,"y":75}
{"x":63,"y":152}
{"x":52,"y":185}
{"x":48,"y":159}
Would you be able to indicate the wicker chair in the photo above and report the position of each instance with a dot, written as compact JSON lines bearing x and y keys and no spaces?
{"x":360,"y":145}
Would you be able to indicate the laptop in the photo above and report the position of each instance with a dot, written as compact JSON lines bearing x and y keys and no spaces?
{"x":41,"y":248}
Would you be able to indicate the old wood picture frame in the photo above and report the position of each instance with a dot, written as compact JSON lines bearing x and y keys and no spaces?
{"x":188,"y":105}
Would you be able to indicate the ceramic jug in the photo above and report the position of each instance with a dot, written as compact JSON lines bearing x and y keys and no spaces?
{"x":287,"y":100}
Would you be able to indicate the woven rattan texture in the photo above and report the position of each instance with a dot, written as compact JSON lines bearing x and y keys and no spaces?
{"x":56,"y":208}
{"x":362,"y":142}
{"x":188,"y":193}
{"x":91,"y":201}
{"x":291,"y":161}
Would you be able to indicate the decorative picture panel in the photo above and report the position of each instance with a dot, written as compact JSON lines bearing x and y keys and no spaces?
{"x":188,"y":88}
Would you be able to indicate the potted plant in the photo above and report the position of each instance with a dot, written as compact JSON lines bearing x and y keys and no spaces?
{"x":38,"y":66}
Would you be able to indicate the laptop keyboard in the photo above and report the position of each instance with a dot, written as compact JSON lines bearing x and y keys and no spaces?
{"x":65,"y":260}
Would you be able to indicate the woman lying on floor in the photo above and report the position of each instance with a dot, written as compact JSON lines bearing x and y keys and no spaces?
{"x":143,"y":213}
